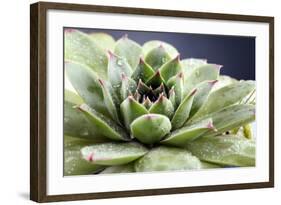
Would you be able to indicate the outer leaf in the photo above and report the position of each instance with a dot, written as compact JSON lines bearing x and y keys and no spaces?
{"x":231,"y":117}
{"x":225,"y":96}
{"x":200,"y":74}
{"x":167,"y":159}
{"x":128,"y":87}
{"x":186,"y":134}
{"x":112,"y":154}
{"x":170,"y":69}
{"x":207,"y":165}
{"x":106,"y":127}
{"x":150,"y":128}
{"x":103,"y":40}
{"x":225,"y":150}
{"x":157,"y":57}
{"x":189,"y":64}
{"x":80,"y":48}
{"x":128,"y":49}
{"x":109,"y":101}
{"x":86,"y":83}
{"x":73,"y":162}
{"x":162,"y":106}
{"x":127,"y":168}
{"x":142,"y":72}
{"x":130,"y":110}
{"x":182,"y":112}
{"x":201,"y":96}
{"x":75,"y":124}
{"x":149,"y":45}
{"x":117,"y":67}
{"x":223,"y":80}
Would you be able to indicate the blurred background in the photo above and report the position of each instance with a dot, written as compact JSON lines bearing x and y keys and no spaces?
{"x":235,"y":53}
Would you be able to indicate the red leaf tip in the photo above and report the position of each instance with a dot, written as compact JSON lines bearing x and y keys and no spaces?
{"x":90,"y":158}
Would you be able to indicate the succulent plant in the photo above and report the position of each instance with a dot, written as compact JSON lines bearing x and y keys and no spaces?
{"x":139,"y":108}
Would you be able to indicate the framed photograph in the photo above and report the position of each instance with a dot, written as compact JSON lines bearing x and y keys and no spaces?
{"x":134,"y":102}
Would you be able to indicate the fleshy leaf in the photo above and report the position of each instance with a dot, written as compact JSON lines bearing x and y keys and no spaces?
{"x":223,"y":80}
{"x":189,"y":64}
{"x":231,"y":117}
{"x":142,"y":72}
{"x":75,"y":124}
{"x":103,"y":40}
{"x":87,"y":85}
{"x":177,"y":83}
{"x":128,"y":49}
{"x":162,"y":106}
{"x":112,"y":154}
{"x":172,"y":97}
{"x":149,"y":45}
{"x":225,"y":96}
{"x":80,"y":48}
{"x":207,"y":165}
{"x":147,"y":103}
{"x":171,"y":68}
{"x":117,"y":67}
{"x":156,"y":80}
{"x":224,"y":150}
{"x":202,"y":73}
{"x":157,"y":57}
{"x":130,"y":110}
{"x":201,"y":96}
{"x":127,"y":168}
{"x":167,"y":159}
{"x":247,"y":131}
{"x":73,"y":162}
{"x":109,"y":101}
{"x":150,"y":128}
{"x":182,"y":112}
{"x":186,"y":134}
{"x":128,"y":87}
{"x":106,"y":126}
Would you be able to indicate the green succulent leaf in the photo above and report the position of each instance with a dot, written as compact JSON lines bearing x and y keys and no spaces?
{"x":167,"y":159}
{"x":199,"y":74}
{"x":247,"y":131}
{"x":109,"y":101}
{"x":182,"y":113}
{"x":147,"y":103}
{"x":117,"y":67}
{"x":79,"y":47}
{"x":75,"y":124}
{"x":87,"y":85}
{"x":186,"y":134}
{"x":106,"y":126}
{"x":157,"y":56}
{"x":223,"y":80}
{"x":149,"y":45}
{"x":128,"y":49}
{"x":201,"y":96}
{"x":156,"y":80}
{"x":162,"y":106}
{"x":177,"y":83}
{"x":225,"y":96}
{"x":142,"y":72}
{"x":103,"y":40}
{"x":130,"y":110}
{"x":207,"y":165}
{"x":112,"y":154}
{"x":189,"y":64}
{"x":150,"y":128}
{"x":171,"y":68}
{"x":231,"y":117}
{"x":227,"y":150}
{"x":172,"y":97}
{"x":128,"y":87}
{"x":127,"y":168}
{"x":73,"y":162}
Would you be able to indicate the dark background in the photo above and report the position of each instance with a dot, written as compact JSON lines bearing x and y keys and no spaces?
{"x":235,"y":53}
